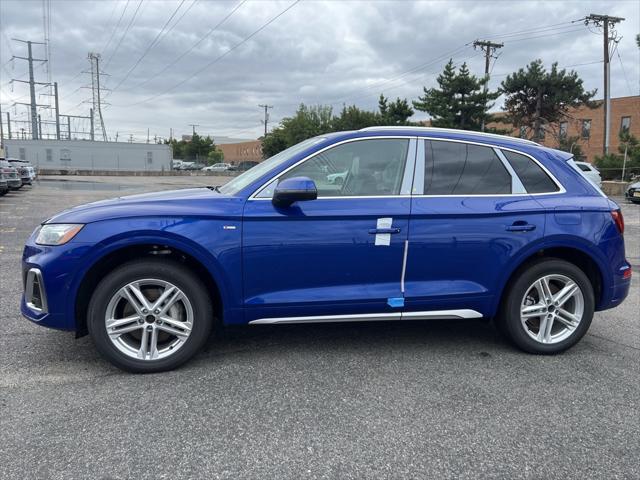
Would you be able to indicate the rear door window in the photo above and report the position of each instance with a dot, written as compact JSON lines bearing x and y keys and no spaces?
{"x":532,"y":176}
{"x":454,"y":168}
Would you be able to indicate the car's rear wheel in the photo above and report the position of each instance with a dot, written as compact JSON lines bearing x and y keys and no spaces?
{"x":548,"y":308}
{"x":149,"y":316}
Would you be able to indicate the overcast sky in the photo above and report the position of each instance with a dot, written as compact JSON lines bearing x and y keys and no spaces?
{"x":328,"y":52}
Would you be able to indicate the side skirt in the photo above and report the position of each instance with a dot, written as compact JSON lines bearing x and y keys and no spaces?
{"x":372,"y":317}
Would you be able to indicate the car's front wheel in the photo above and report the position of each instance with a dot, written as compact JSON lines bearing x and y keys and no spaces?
{"x":149,"y":315}
{"x":548,"y":307}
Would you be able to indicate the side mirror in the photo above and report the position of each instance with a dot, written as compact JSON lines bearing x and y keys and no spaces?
{"x":296,"y":189}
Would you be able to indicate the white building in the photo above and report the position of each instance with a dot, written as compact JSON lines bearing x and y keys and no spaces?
{"x":88,"y":155}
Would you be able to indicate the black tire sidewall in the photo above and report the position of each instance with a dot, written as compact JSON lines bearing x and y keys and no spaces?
{"x":167,"y":270}
{"x":510,"y":315}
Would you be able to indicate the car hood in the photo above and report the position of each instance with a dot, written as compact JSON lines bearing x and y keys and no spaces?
{"x":634,"y":185}
{"x":192,"y":202}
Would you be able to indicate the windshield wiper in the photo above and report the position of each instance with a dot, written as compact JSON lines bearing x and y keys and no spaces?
{"x":214,"y":188}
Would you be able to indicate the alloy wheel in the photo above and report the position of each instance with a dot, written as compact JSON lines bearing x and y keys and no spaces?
{"x":552,"y":308}
{"x":149,"y":319}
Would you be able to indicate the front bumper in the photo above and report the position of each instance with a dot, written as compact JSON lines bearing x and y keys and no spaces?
{"x":14,"y":183}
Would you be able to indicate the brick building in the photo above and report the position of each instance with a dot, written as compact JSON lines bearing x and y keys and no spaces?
{"x":587,"y":126}
{"x":244,"y":151}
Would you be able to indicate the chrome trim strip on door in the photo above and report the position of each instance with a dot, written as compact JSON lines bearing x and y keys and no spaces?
{"x":370,"y":317}
{"x":441,"y":314}
{"x":366,"y":317}
{"x":404,"y":265}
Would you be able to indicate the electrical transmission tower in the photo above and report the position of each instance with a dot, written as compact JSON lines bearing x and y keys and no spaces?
{"x":35,"y":124}
{"x":266,"y":116}
{"x":605,"y":21}
{"x":96,"y":101}
{"x":488,"y":48}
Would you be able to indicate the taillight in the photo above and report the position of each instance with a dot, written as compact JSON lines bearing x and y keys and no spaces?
{"x":618,"y":220}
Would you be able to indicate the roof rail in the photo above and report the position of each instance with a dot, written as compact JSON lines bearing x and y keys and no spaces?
{"x":453,"y":130}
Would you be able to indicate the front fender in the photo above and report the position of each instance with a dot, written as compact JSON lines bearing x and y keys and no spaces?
{"x":207,"y":241}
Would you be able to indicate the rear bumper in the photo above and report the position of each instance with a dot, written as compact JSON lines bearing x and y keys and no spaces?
{"x":618,"y":291}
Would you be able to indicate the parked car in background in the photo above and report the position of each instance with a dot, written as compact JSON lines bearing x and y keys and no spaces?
{"x":217,"y":167}
{"x":23,"y":171}
{"x":10,"y":174}
{"x":175,"y":164}
{"x":21,"y":165}
{"x":243,"y":166}
{"x":632,"y":192}
{"x":591,"y":172}
{"x":429,"y":224}
{"x":4,"y":185}
{"x":337,"y":178}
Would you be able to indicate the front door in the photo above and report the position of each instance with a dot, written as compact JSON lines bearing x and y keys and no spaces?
{"x":338,"y":257}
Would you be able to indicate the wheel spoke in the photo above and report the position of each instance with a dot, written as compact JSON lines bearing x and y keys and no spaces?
{"x":153,"y":347}
{"x":532,"y":311}
{"x":570,"y":320}
{"x":135,"y":297}
{"x":119,"y":322}
{"x":565,"y":294}
{"x":167,"y":292}
{"x":144,"y":344}
{"x":544,"y":333}
{"x":116,"y":332}
{"x":545,"y":290}
{"x":180,"y":332}
{"x":173,"y":298}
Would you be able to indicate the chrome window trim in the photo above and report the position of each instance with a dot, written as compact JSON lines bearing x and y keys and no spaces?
{"x":463,"y":313}
{"x":411,"y":138}
{"x":560,"y":190}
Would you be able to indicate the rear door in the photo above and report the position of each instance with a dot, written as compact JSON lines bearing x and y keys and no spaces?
{"x":470,"y":215}
{"x":338,"y":257}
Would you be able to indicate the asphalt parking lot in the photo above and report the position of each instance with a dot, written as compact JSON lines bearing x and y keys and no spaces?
{"x":437,"y":399}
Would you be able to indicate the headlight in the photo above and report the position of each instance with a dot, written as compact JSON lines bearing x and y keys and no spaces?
{"x":57,"y":233}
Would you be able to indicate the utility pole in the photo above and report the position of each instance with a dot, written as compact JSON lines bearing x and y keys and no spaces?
{"x":605,"y":21}
{"x":488,"y":48}
{"x":1,"y":128}
{"x":194,"y":125}
{"x":9,"y":125}
{"x":93,"y":125}
{"x":55,"y":93}
{"x":32,"y":83}
{"x":266,"y":116}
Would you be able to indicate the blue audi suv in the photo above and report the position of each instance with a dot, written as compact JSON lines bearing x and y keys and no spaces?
{"x":425,"y":223}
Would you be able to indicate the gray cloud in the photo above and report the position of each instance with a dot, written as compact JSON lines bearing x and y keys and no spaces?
{"x":318,"y":52}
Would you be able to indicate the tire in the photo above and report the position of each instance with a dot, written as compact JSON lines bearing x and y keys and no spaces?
{"x":523,"y":298}
{"x":115,"y":297}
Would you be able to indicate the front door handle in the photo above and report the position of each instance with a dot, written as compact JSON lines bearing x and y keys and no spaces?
{"x":520,"y":227}
{"x":376,"y":231}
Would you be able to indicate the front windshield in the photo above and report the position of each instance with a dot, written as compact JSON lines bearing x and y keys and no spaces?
{"x":250,"y":176}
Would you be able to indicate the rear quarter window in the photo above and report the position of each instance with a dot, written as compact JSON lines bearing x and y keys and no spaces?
{"x":532,"y":176}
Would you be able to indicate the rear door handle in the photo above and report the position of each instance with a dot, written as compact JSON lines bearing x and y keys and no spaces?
{"x":376,"y":231}
{"x":520,"y":227}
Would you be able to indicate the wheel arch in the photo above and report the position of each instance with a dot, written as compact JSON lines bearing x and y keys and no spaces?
{"x":119,"y":253}
{"x":580,"y":257}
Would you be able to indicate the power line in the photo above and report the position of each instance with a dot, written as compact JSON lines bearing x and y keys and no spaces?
{"x":135,"y":14}
{"x":113,"y":32}
{"x":220,"y":57}
{"x":190,"y":49}
{"x":150,"y":46}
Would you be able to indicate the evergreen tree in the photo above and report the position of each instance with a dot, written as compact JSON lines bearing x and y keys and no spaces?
{"x":535,"y":96}
{"x":459,"y":101}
